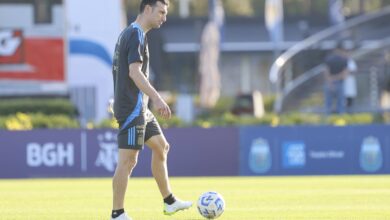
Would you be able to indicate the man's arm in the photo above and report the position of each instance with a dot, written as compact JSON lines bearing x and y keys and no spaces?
{"x":329,"y":77}
{"x":143,"y":84}
{"x":342,"y":75}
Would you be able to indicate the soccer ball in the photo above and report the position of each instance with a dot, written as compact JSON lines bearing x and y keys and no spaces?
{"x":211,"y":205}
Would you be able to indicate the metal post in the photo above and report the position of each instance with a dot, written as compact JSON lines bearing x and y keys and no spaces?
{"x":374,"y":88}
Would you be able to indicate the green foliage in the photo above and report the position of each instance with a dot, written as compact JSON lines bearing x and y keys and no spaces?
{"x":174,"y":121}
{"x":46,"y":116}
{"x":385,"y":117}
{"x":269,"y":103}
{"x":30,"y":113}
{"x":108,"y":123}
{"x":300,"y":119}
{"x":223,"y":104}
{"x":348,"y":119}
{"x":239,"y":8}
{"x":228,"y":119}
{"x":21,"y":121}
{"x":45,"y":106}
{"x":220,"y":116}
{"x":53,"y":121}
{"x":2,"y":123}
{"x":315,"y":99}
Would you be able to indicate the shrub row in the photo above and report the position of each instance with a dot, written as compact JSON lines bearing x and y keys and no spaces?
{"x":22,"y":121}
{"x":46,"y":106}
{"x":229,"y":119}
{"x":60,"y":113}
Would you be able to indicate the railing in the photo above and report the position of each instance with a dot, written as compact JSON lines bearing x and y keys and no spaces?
{"x":316,"y":71}
{"x":287,"y":71}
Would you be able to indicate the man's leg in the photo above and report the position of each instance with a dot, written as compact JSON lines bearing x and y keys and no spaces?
{"x":127,"y":159}
{"x":328,"y":98}
{"x":160,"y":148}
{"x":340,"y":98}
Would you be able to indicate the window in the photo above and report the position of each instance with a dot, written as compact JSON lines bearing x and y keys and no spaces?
{"x":42,"y":11}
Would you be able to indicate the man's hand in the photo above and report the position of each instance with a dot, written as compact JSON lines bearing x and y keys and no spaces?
{"x":162,"y":107}
{"x":143,"y":84}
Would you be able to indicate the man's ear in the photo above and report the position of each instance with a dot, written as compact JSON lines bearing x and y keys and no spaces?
{"x":148,"y":9}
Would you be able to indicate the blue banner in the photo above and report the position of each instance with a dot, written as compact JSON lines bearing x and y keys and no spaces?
{"x":93,"y":153}
{"x":314,"y":150}
{"x":249,"y":151}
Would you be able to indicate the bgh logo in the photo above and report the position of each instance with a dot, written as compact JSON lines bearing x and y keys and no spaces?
{"x":50,"y":154}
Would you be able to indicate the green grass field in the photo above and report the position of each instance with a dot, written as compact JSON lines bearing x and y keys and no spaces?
{"x":247,"y":198}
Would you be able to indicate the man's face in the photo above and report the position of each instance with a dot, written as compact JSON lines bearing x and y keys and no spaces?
{"x":158,"y":14}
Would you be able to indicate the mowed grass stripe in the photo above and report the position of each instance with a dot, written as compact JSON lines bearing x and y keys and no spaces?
{"x":247,"y":198}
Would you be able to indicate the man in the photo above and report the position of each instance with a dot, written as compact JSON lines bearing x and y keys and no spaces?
{"x":335,"y":73}
{"x":350,"y":87}
{"x":137,"y":125}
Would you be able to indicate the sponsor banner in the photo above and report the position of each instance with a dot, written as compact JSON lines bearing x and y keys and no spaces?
{"x":32,"y":58}
{"x":93,"y":153}
{"x":203,"y":152}
{"x":39,"y":153}
{"x":314,"y":150}
{"x":11,"y":48}
{"x":32,"y":49}
{"x":101,"y":152}
{"x":303,"y":150}
{"x":371,"y":148}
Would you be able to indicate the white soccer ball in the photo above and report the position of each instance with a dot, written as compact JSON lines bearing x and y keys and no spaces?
{"x":211,"y":205}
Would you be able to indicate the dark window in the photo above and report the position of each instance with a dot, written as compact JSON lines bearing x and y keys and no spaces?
{"x":42,"y":11}
{"x":27,"y":1}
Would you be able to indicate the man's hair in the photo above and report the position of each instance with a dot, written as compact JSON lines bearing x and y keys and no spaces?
{"x":151,"y":3}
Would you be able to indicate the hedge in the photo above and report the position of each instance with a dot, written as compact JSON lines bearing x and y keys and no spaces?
{"x":46,"y":106}
{"x":22,"y":121}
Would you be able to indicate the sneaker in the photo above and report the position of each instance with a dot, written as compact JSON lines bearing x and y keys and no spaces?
{"x":124,"y":216}
{"x":176,"y":206}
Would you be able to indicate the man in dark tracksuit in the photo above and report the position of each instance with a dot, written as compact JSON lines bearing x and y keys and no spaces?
{"x":137,"y":125}
{"x":335,"y":73}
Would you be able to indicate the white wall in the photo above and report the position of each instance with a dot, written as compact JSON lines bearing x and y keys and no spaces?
{"x":101,"y":25}
{"x":21,"y":16}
